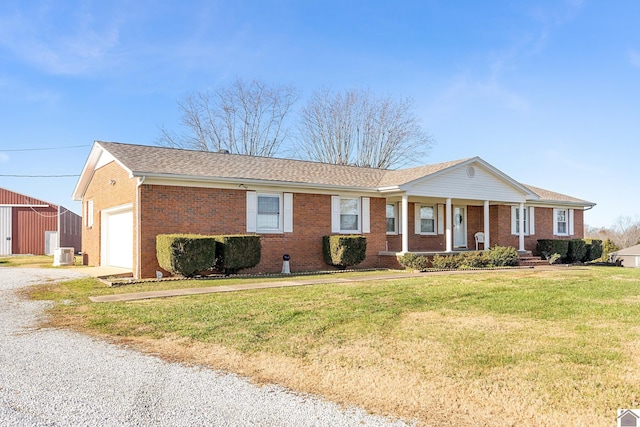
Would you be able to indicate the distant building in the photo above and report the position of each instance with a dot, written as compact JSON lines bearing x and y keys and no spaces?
{"x":32,"y":226}
{"x":629,"y":257}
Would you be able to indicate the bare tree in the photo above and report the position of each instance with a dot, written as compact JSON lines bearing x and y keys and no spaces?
{"x":355,"y":127}
{"x":625,"y":231}
{"x":244,"y":117}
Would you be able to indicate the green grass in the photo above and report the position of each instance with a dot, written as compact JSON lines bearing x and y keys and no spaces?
{"x":40,"y":261}
{"x":564,"y":339}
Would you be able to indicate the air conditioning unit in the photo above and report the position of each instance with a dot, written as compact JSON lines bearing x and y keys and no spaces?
{"x":62,"y":256}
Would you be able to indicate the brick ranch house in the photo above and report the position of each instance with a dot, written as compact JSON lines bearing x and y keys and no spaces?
{"x":132,"y":193}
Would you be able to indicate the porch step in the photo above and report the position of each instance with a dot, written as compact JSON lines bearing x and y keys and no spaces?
{"x":529,"y":260}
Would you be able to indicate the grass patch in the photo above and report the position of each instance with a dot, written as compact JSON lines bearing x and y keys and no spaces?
{"x":34,"y":261}
{"x":522,"y":347}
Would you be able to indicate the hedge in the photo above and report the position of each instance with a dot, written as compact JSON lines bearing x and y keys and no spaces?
{"x":186,"y":254}
{"x":344,"y":251}
{"x":577,"y":250}
{"x":548,"y":247}
{"x":594,"y":249}
{"x":237,"y":252}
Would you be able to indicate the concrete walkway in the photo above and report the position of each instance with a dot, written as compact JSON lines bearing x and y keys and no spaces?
{"x":295,"y":282}
{"x":243,"y":287}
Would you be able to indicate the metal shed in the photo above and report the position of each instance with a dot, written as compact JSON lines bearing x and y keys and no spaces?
{"x":33,"y":226}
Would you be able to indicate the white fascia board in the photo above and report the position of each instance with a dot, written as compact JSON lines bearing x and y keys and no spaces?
{"x":200,"y":181}
{"x":529,"y":195}
{"x":89,"y":168}
{"x":560,"y":203}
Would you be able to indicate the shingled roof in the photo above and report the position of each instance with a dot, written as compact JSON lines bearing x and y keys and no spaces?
{"x":144,"y":160}
{"x":551,"y":196}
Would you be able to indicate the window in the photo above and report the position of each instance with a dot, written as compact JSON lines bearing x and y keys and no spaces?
{"x":516,"y":215}
{"x":561,"y":222}
{"x":529,"y":220}
{"x":392,"y":218}
{"x":349,"y":209}
{"x":427,"y":220}
{"x":89,"y":213}
{"x":268,"y":214}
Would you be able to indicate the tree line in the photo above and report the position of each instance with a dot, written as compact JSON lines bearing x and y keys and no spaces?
{"x":624,"y":233}
{"x":347,"y":127}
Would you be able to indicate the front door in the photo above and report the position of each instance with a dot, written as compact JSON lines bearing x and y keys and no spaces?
{"x":459,"y":227}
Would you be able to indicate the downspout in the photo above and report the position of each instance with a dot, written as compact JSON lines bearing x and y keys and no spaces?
{"x":138,"y":223}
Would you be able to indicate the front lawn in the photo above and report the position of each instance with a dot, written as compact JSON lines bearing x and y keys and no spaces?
{"x":519,"y":347}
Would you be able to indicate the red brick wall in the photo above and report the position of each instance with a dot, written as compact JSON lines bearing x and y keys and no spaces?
{"x":168,"y":209}
{"x":104,"y":196}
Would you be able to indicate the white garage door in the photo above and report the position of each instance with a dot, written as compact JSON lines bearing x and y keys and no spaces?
{"x":118,"y":234}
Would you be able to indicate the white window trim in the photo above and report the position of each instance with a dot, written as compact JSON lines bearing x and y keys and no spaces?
{"x":364,"y":215}
{"x":569,"y":215}
{"x":396,"y":210}
{"x":89,"y":213}
{"x":418,"y":220}
{"x":527,"y":220}
{"x":286,"y":213}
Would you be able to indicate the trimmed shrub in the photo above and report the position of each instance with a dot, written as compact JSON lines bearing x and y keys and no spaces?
{"x":446,"y":262}
{"x":344,"y":251}
{"x":185,"y":254}
{"x":577,"y":250}
{"x":594,"y":249}
{"x":237,"y":252}
{"x":503,"y":256}
{"x":474,"y":259}
{"x":548,"y":247}
{"x":414,"y":261}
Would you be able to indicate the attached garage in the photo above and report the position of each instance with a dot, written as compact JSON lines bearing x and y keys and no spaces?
{"x":117,"y":237}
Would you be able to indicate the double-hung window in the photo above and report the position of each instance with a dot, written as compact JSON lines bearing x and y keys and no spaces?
{"x":563,"y":222}
{"x":392,"y":218}
{"x":528,"y":219}
{"x":427,"y":220}
{"x":269,"y":213}
{"x":349,"y":215}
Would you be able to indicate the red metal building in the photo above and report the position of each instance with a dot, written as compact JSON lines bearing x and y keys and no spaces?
{"x":32,"y":226}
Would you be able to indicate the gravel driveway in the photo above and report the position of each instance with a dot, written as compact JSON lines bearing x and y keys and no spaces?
{"x":60,"y":378}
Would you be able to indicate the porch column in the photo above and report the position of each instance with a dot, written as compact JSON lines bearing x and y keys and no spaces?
{"x":521,"y":228}
{"x":404,"y":214}
{"x":448,"y":227}
{"x":487,"y":242}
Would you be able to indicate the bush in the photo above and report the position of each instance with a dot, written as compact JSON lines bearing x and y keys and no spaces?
{"x":474,"y":259}
{"x":237,"y":252}
{"x":445,"y":262}
{"x":594,"y":249}
{"x":414,"y":261}
{"x":577,"y":250}
{"x":547,"y":247}
{"x":503,"y":256}
{"x":554,"y":259}
{"x":608,"y":246}
{"x":344,"y":251}
{"x":185,"y":254}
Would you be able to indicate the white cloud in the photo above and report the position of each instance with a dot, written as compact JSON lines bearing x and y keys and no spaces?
{"x":66,"y":41}
{"x":3,"y":157}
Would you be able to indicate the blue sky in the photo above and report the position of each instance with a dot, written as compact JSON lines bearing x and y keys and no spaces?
{"x":546,"y":91}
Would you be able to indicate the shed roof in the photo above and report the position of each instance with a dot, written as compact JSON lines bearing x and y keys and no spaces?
{"x":631,"y":250}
